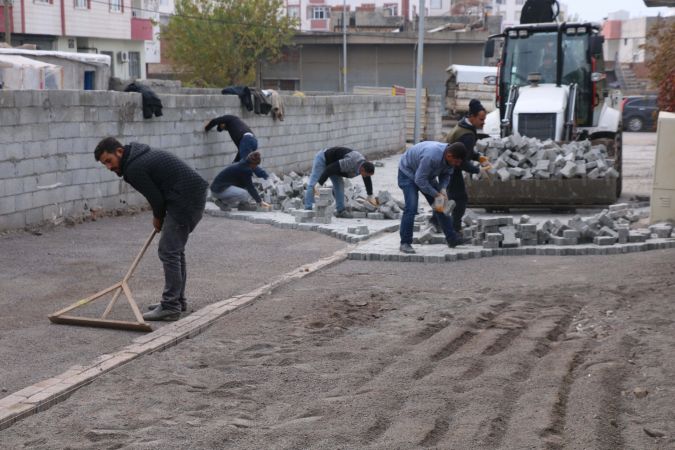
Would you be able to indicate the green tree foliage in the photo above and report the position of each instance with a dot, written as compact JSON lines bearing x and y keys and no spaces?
{"x":661,"y":61}
{"x":221,"y":42}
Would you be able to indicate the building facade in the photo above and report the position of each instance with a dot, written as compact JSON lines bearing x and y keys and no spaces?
{"x":106,"y":27}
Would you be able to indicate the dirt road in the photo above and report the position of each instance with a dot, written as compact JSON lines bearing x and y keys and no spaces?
{"x":514,"y":353}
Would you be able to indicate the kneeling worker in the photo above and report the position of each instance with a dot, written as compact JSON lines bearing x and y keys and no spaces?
{"x":337,"y":163}
{"x":233,"y":186}
{"x":427,"y":167}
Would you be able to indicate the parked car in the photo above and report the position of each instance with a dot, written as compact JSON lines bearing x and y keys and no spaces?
{"x":639,"y":113}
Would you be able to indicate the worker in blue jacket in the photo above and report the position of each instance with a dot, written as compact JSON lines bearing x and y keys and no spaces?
{"x":427,"y":167}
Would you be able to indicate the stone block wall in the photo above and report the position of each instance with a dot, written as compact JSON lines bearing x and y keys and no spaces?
{"x":47,"y":138}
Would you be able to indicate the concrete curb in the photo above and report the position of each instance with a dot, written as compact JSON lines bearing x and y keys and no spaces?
{"x":447,"y":255}
{"x":327,"y":229}
{"x":47,"y":393}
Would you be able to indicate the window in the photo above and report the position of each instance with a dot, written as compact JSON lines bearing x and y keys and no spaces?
{"x":320,"y":12}
{"x":134,"y":64}
{"x":435,"y":4}
{"x":46,"y":2}
{"x":81,"y":4}
{"x":116,"y":6}
{"x":293,"y":12}
{"x":391,"y":8}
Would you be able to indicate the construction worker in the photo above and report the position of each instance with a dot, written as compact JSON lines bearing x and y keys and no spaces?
{"x":177,"y":195}
{"x":241,"y":135}
{"x":465,"y":132}
{"x":337,"y":163}
{"x":233,"y":186}
{"x":427,"y":167}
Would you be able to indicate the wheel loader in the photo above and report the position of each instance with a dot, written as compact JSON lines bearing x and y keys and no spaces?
{"x":551,"y":85}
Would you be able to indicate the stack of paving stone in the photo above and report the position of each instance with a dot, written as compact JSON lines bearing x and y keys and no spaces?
{"x":287,"y":194}
{"x":608,"y":227}
{"x":517,"y":157}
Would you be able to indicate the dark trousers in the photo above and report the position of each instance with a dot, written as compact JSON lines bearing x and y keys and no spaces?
{"x":457,"y":192}
{"x":171,"y":252}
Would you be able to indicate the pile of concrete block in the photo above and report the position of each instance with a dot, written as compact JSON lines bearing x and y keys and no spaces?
{"x":287,"y":194}
{"x":517,"y":157}
{"x":610,"y":226}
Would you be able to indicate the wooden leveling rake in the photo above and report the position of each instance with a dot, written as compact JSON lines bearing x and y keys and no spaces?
{"x":103,"y":321}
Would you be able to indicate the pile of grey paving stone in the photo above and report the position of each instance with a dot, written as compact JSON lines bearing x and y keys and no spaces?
{"x":517,"y":157}
{"x":287,"y":194}
{"x":610,"y":226}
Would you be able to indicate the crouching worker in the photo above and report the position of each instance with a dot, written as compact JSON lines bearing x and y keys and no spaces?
{"x":177,"y":195}
{"x":427,"y":167}
{"x":233,"y":186}
{"x":337,"y":163}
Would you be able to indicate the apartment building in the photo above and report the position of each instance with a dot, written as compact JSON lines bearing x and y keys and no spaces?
{"x":107,"y":27}
{"x":315,"y":15}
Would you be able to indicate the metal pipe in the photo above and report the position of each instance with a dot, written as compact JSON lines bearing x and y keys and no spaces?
{"x":420,"y":72}
{"x":344,"y":46}
{"x":8,"y":21}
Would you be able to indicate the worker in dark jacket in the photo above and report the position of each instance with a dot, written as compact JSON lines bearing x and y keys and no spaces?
{"x":151,"y":102}
{"x":465,"y":132}
{"x":233,"y":186}
{"x":177,"y":195}
{"x":337,"y":163}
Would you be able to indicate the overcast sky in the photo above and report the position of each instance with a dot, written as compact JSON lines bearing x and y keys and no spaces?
{"x":596,"y":10}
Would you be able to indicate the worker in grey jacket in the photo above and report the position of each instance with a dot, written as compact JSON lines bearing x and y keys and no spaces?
{"x":337,"y":163}
{"x":427,"y":167}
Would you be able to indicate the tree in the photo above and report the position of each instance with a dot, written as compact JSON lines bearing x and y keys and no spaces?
{"x":221,"y":42}
{"x":661,"y":61}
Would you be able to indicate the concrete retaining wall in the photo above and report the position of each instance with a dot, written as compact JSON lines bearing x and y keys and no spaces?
{"x":47,"y":139}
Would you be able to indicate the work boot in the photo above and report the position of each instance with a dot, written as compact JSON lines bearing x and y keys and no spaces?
{"x":455,"y":242}
{"x":406,"y":248}
{"x":162,"y":314}
{"x":183,"y":306}
{"x":222,"y":205}
{"x":344,"y":214}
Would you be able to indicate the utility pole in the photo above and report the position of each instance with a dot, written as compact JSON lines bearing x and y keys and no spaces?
{"x":420,"y":72}
{"x":344,"y":46}
{"x":8,"y":21}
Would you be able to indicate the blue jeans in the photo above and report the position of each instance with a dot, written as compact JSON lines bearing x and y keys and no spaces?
{"x":247,"y":145}
{"x":233,"y":195}
{"x":318,"y":167}
{"x":171,"y":252}
{"x":411,"y":197}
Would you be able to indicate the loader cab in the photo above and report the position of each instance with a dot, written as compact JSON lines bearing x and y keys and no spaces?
{"x":552,"y":54}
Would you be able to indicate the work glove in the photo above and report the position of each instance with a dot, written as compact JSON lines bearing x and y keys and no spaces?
{"x":483,"y":160}
{"x":264,"y":204}
{"x":373,"y":201}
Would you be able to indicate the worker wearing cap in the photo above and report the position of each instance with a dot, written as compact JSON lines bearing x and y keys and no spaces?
{"x":465,"y":132}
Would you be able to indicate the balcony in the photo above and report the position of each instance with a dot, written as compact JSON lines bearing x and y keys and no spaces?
{"x":141,"y":29}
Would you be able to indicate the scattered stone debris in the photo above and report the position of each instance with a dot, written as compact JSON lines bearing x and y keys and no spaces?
{"x":287,"y":194}
{"x":610,"y":226}
{"x":640,"y":392}
{"x":517,"y":157}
